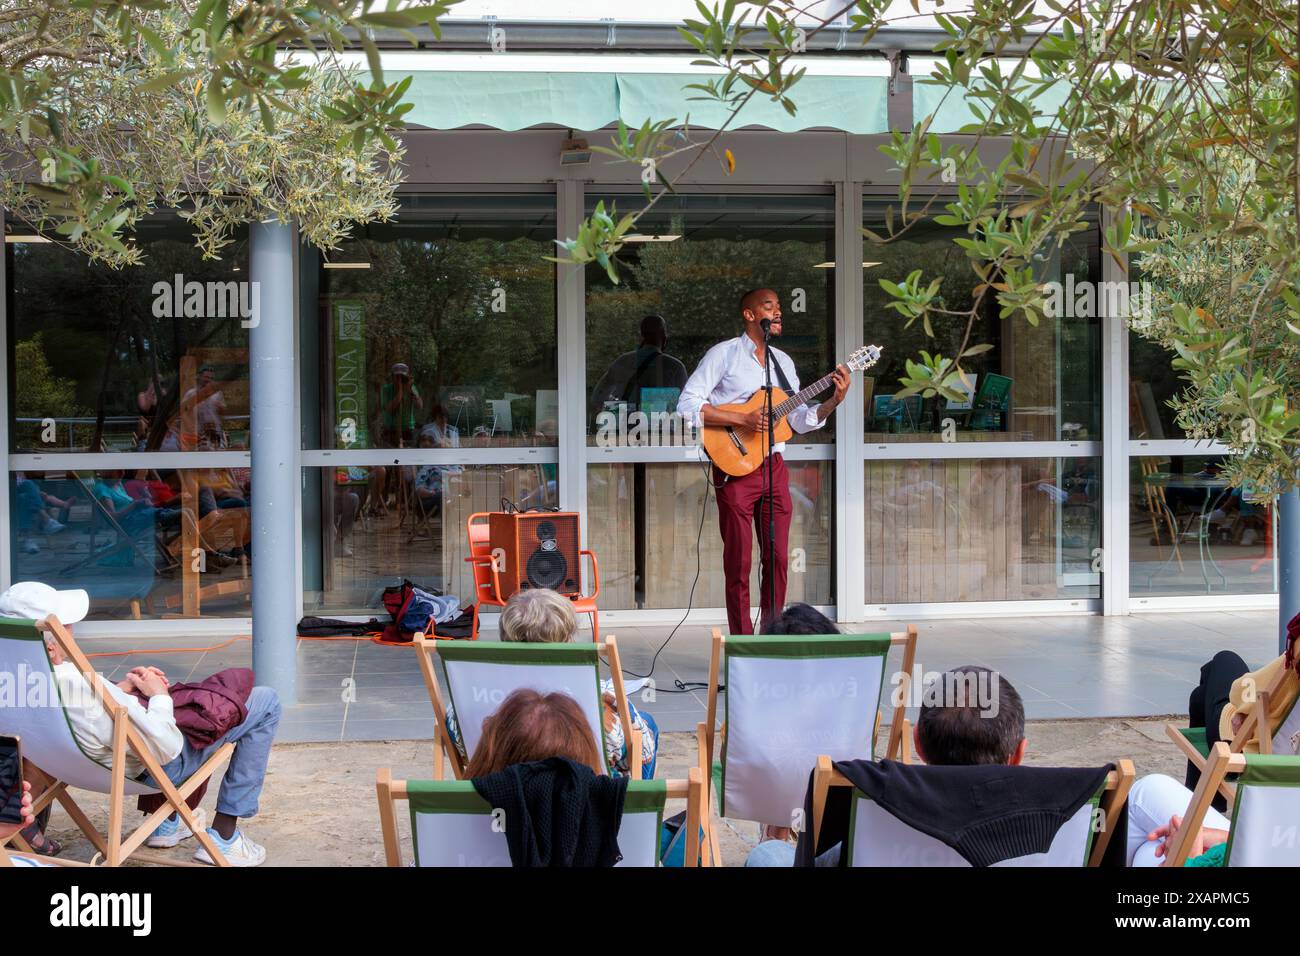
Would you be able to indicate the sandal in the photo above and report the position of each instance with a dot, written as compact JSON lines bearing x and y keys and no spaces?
{"x":39,"y":842}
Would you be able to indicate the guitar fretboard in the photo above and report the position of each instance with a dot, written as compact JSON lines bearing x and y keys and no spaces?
{"x":813,"y":390}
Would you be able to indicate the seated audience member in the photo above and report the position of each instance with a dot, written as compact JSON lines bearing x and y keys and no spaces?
{"x":1157,"y":803}
{"x":92,"y":726}
{"x":948,"y":733}
{"x":36,"y":511}
{"x":539,"y":764}
{"x":136,"y":515}
{"x":802,"y":619}
{"x":528,"y":727}
{"x":542,"y":616}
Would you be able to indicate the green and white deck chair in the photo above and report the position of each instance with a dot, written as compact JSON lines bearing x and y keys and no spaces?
{"x":1285,"y":726}
{"x":1265,"y":827}
{"x":48,"y":742}
{"x":878,"y":838}
{"x":482,"y":674}
{"x":790,"y":698}
{"x":451,"y":825}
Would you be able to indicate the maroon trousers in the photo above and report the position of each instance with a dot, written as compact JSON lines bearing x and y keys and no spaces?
{"x":741,"y":511}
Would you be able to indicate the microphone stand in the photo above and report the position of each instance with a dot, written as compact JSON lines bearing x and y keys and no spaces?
{"x":771,"y":503}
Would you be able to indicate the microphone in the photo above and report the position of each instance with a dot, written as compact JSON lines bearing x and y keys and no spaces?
{"x":766,"y":326}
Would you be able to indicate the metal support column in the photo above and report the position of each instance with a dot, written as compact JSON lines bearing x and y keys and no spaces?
{"x":850,"y":480}
{"x":275,"y":457}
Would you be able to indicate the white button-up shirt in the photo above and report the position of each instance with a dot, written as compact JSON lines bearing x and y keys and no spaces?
{"x":729,"y":373}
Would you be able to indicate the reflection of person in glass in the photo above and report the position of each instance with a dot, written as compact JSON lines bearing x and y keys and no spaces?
{"x":400,"y":400}
{"x":646,"y":367}
{"x":731,"y":372}
{"x":209,"y":405}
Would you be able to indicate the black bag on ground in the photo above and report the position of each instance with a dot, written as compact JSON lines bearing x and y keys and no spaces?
{"x":331,"y":627}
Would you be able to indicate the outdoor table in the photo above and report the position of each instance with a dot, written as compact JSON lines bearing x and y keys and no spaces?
{"x":1164,"y":481}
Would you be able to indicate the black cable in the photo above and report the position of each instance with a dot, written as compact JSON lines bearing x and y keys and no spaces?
{"x":684,"y":687}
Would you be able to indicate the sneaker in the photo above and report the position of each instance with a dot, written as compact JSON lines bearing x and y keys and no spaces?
{"x":239,"y":850}
{"x":31,"y":547}
{"x":171,"y":832}
{"x":343,"y":549}
{"x":52,"y":527}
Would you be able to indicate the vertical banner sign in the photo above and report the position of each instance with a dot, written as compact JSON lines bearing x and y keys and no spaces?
{"x":350,"y":419}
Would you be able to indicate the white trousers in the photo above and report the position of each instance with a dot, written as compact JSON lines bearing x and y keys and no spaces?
{"x":1151,"y":802}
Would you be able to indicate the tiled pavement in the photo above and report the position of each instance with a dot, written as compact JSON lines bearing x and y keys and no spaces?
{"x":1064,"y":667}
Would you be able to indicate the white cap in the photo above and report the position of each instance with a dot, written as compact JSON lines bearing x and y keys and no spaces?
{"x":33,"y":600}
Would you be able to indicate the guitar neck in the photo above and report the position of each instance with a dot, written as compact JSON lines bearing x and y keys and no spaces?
{"x":813,"y":390}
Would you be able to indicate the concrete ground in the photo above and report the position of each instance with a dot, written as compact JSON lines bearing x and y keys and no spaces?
{"x":320,"y":809}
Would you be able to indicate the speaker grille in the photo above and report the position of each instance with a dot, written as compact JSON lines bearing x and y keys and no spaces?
{"x":547,"y":569}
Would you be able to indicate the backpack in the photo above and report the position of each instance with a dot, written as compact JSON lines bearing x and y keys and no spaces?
{"x":412,"y":610}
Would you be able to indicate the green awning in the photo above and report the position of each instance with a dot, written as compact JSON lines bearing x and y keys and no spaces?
{"x":589,"y":101}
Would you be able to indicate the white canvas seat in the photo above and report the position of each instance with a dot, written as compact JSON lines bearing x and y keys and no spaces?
{"x":789,"y":699}
{"x":451,"y":825}
{"x":878,"y":838}
{"x":480,"y":675}
{"x":1265,"y":827}
{"x":38,"y":718}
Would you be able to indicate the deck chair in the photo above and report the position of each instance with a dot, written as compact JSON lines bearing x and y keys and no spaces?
{"x":451,"y":825}
{"x":1193,"y":743}
{"x":790,"y":698}
{"x":878,"y":838}
{"x":1264,"y":815}
{"x":49,"y":743}
{"x":481,"y":675}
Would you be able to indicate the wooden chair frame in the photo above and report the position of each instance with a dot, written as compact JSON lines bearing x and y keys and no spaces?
{"x":1118,"y":784}
{"x":1222,"y":761}
{"x":126,"y":739}
{"x":1255,"y":717}
{"x":707,"y":734}
{"x":391,"y":791}
{"x":444,"y":748}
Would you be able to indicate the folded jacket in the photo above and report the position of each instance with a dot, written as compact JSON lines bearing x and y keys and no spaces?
{"x":986,"y":813}
{"x":557,"y":812}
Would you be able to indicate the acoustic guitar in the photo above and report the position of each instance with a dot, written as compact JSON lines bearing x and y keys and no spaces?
{"x":739,"y":451}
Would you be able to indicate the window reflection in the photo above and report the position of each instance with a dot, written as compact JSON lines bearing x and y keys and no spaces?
{"x":444,"y":317}
{"x":1038,"y":382}
{"x":1193,"y":533}
{"x":982,"y":529}
{"x":142,"y":543}
{"x":145,"y":358}
{"x":679,"y":294}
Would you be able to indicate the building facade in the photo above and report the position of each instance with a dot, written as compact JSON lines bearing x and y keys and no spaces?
{"x":441,"y":365}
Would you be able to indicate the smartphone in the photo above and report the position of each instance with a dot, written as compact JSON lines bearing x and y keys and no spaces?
{"x":11,"y":780}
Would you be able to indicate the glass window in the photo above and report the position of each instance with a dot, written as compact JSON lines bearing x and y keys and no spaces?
{"x":982,"y":529}
{"x":146,"y":543}
{"x":1152,"y":383}
{"x":679,"y":295}
{"x":1038,"y":382}
{"x":355,"y":545}
{"x":645,"y":527}
{"x":1191,"y":533}
{"x":147,"y":357}
{"x":438,"y":329}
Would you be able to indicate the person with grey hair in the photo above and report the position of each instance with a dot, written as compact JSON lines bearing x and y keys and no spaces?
{"x":543,"y":616}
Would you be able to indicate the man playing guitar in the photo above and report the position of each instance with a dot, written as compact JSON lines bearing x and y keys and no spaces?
{"x":729,"y":373}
